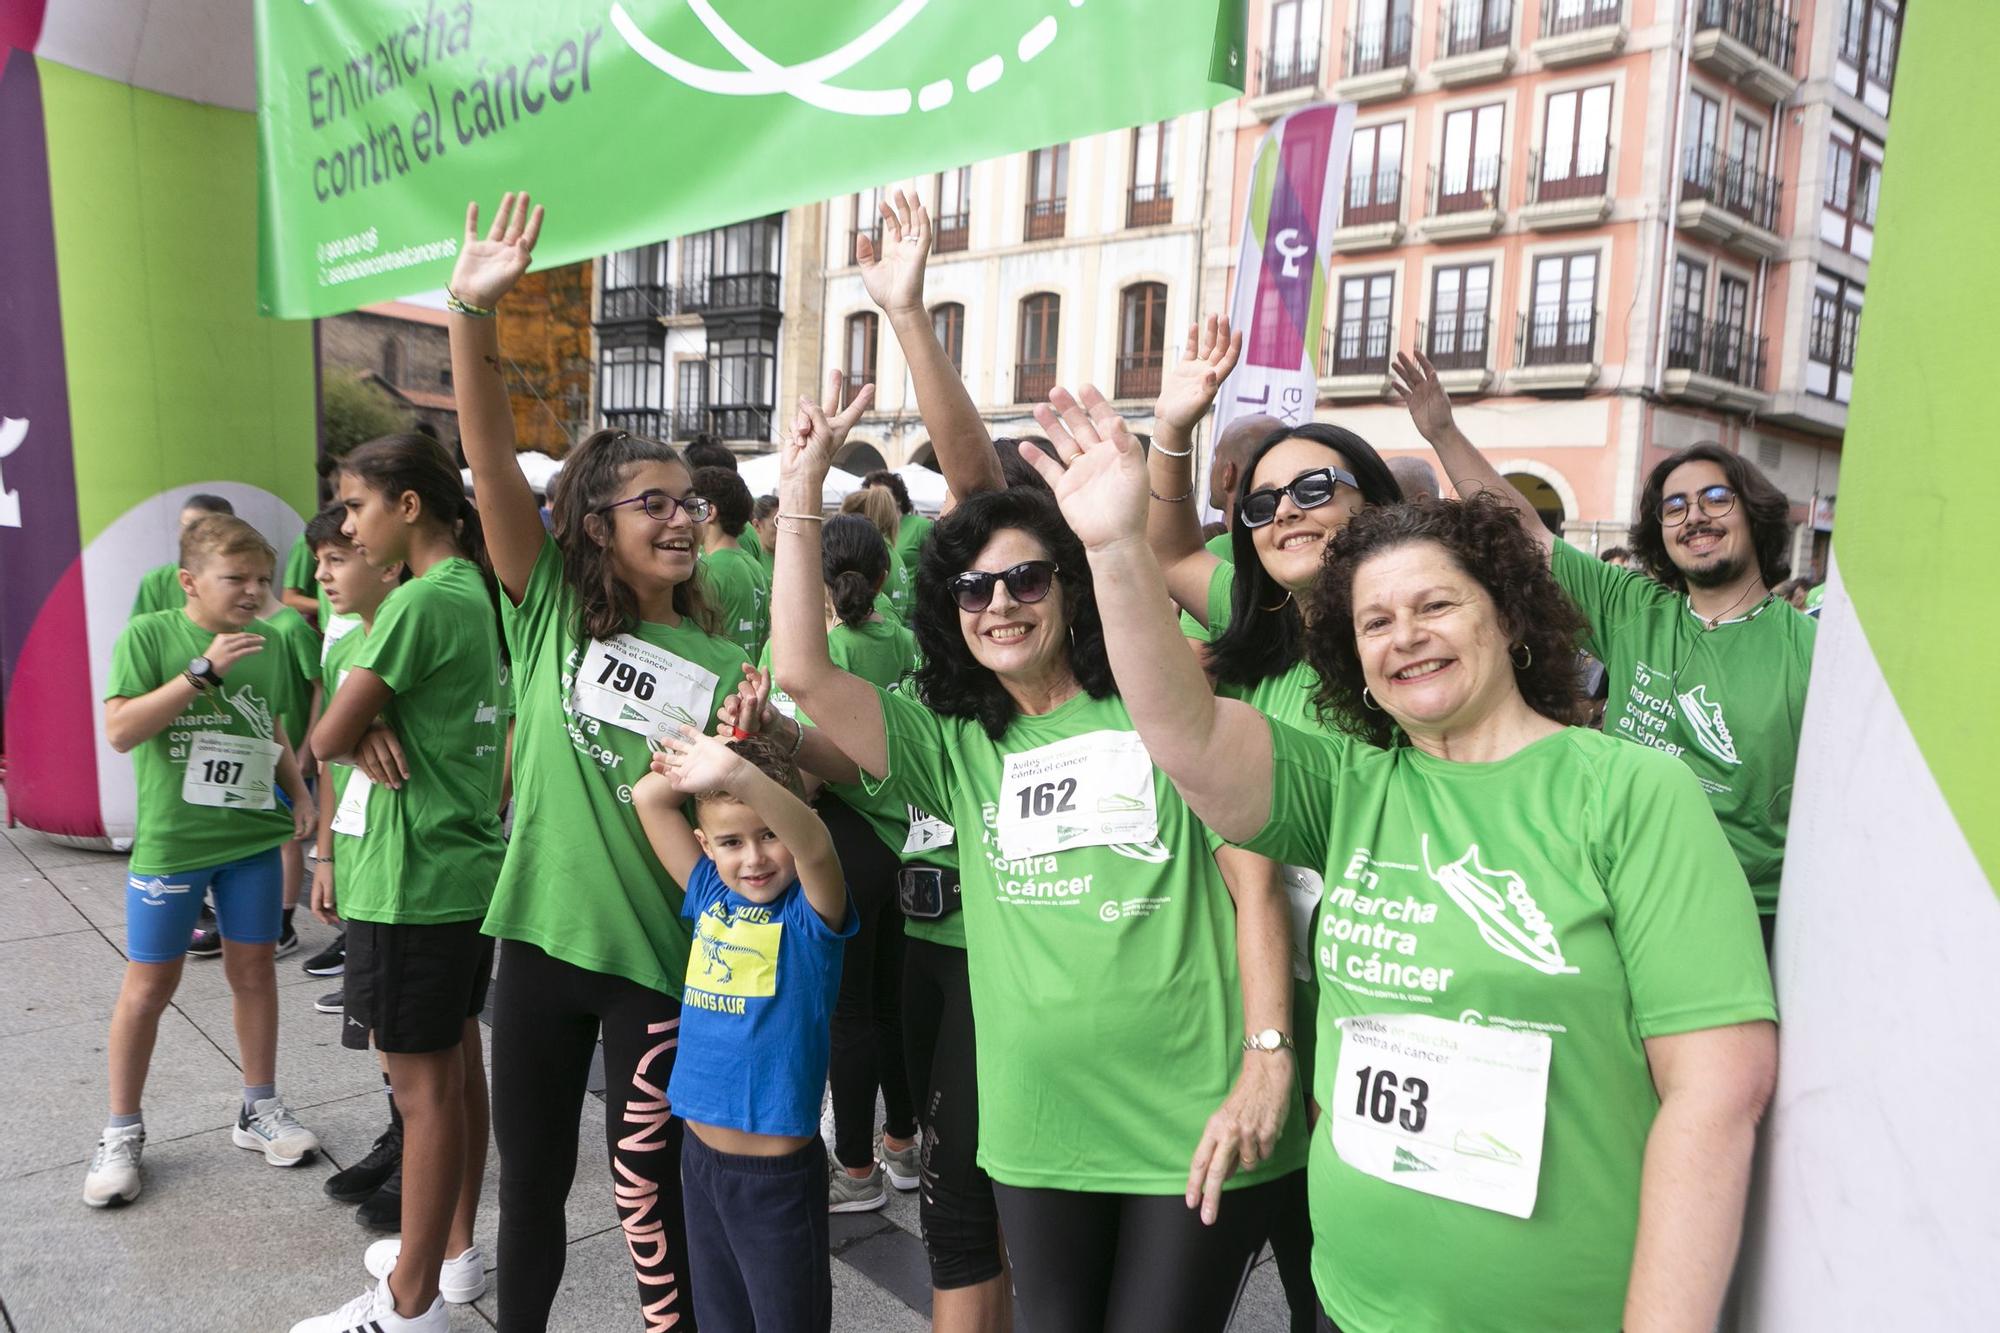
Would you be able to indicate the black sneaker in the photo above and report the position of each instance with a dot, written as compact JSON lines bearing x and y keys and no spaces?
{"x":330,"y":961}
{"x":287,"y":943}
{"x":333,"y":1002}
{"x":383,"y":1210}
{"x":207,"y":939}
{"x":359,"y":1183}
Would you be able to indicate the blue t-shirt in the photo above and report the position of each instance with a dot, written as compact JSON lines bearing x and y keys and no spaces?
{"x":755,"y":1009}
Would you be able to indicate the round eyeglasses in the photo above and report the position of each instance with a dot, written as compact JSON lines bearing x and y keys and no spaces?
{"x":1715,"y":501}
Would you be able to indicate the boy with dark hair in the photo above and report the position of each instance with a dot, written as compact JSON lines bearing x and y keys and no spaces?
{"x":734,"y":579}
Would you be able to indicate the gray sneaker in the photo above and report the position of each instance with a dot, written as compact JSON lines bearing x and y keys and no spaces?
{"x":905,"y":1166}
{"x":846,"y":1194}
{"x":270,"y":1128}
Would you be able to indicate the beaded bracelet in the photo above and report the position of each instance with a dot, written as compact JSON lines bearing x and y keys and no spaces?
{"x":453,"y":303}
{"x":1165,"y":452}
{"x":1171,"y":499}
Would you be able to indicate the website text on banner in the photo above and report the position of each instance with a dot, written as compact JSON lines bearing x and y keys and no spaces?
{"x":643,"y":119}
{"x":1281,"y":270}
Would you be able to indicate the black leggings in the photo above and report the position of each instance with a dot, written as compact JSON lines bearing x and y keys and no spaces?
{"x":546,"y":1021}
{"x":961,"y":1228}
{"x":868,"y":1014}
{"x":1291,"y":1247}
{"x":1130,"y":1263}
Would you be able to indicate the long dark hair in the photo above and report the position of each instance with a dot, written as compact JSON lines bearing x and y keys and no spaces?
{"x":590,"y":479}
{"x":1484,"y":536}
{"x":1769,"y":512}
{"x":398,"y":463}
{"x":1266,"y":634}
{"x":853,"y":559}
{"x":950,"y":681}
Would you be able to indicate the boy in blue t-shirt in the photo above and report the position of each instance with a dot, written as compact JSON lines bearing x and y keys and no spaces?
{"x":768,"y":901}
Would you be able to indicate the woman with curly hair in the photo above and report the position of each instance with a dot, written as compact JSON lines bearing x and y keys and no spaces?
{"x":1102,"y":940}
{"x":1546,"y":1030}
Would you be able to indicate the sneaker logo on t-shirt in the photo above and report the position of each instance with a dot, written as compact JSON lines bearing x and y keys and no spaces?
{"x":1704,"y":719}
{"x":252,"y":709}
{"x":1499,"y":904}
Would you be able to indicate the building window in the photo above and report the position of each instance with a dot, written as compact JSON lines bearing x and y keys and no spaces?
{"x":1690,"y":300}
{"x":1468,"y":173}
{"x":392,"y":359}
{"x":1035,"y":354}
{"x":632,"y":384}
{"x":1459,"y":312}
{"x":1870,"y":41}
{"x":1731,"y":335}
{"x":1048,"y":192}
{"x":865,"y":220}
{"x":1380,"y":37}
{"x":635,"y":284}
{"x":1360,"y":342}
{"x":1852,"y":189}
{"x":734,"y":267}
{"x":1474,"y":25}
{"x":1576,"y":144}
{"x":1142,"y":339}
{"x":690,"y":398}
{"x":1836,"y":320}
{"x":859,"y":368}
{"x":1700,"y":143}
{"x":1562,"y":321}
{"x":741,"y":391}
{"x":948,"y":323}
{"x":1564,"y":16}
{"x":1151,"y":201}
{"x":1374,"y":176}
{"x":1291,"y":58}
{"x":954,"y":210}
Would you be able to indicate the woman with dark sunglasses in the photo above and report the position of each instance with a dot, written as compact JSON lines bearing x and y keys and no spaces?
{"x":1102,"y":940}
{"x":611,"y":641}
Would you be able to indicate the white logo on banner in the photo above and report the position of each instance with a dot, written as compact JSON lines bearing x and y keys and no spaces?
{"x":13,"y":430}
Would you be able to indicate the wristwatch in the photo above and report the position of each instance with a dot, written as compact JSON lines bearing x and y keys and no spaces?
{"x":1269,"y":1040}
{"x":201,"y":673}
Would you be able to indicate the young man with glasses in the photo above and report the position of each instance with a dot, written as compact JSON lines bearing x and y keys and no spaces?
{"x":1703,"y":662}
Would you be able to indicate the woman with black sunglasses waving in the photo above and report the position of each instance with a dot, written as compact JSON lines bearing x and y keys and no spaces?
{"x":612,"y":642}
{"x":1102,"y":940}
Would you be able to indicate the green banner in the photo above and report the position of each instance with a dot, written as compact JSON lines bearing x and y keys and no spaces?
{"x":636,"y":120}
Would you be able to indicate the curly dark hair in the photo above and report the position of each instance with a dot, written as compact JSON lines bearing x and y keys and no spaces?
{"x":591,"y":476}
{"x":1769,"y":512}
{"x":1266,"y":636}
{"x":894,"y":484}
{"x":767,"y":757}
{"x":727,"y":496}
{"x":950,"y":681}
{"x":1484,"y":536}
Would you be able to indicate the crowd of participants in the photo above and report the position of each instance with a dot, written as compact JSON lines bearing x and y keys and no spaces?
{"x":1287,"y":898}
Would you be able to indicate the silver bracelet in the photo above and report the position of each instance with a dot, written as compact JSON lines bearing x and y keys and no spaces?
{"x":1165,"y":452}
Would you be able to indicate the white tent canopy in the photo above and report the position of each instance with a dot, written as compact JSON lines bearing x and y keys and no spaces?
{"x":538,"y":468}
{"x":760,"y":474}
{"x":927,"y":489}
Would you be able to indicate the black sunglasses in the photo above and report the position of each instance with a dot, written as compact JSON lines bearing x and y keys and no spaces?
{"x":1309,"y":490}
{"x":660,"y":506}
{"x":1026,"y":582}
{"x":1715,"y":501}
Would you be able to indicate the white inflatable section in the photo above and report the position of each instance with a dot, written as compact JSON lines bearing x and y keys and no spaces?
{"x":146,"y":535}
{"x":197,"y":50}
{"x":1877,"y":1200}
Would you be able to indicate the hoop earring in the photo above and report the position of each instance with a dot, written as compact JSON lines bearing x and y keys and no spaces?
{"x":1368,"y":700}
{"x":1280,"y":604}
{"x":1528,"y":652}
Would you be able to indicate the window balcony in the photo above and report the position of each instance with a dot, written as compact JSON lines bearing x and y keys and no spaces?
{"x":1371,"y":213}
{"x":1465,"y":200}
{"x":1378,"y":61}
{"x":1045,"y":219}
{"x":1354,"y":359}
{"x":1581,"y":198}
{"x":719,"y":292}
{"x":1748,"y":42}
{"x":1287,"y":79}
{"x":634,"y":305}
{"x":954,"y":232}
{"x":1149,"y":205}
{"x":1034,"y":379}
{"x":649,"y":422}
{"x":1457,"y":344}
{"x":1575,"y":31}
{"x":1555,"y":349}
{"x":1475,"y":41}
{"x":1730,"y":202}
{"x":740,"y":421}
{"x":1714,"y":362}
{"x":1138,"y":376}
{"x":688,"y":422}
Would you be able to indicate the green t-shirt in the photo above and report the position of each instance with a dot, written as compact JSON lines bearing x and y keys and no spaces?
{"x":1104,"y":980}
{"x":1577,"y":888}
{"x":299,"y":565}
{"x":910,"y":535}
{"x":301,"y":647}
{"x":900,"y":585}
{"x":159,"y":590}
{"x":432,"y":848}
{"x":336,"y":660}
{"x":581,"y":882}
{"x":739,"y":590}
{"x":754,"y":544}
{"x":173,"y":833}
{"x":1727,"y":702}
{"x":1219,"y":547}
{"x":1815,"y":597}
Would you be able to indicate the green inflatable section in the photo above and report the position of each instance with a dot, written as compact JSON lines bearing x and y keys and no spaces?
{"x":1916,"y":538}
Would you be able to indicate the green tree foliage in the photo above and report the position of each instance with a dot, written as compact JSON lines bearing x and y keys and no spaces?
{"x":355,"y":410}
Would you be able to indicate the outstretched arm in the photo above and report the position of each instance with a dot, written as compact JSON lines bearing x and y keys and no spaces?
{"x":1416,"y":385}
{"x":1217,"y":752}
{"x":1173,"y":526}
{"x":657,"y":800}
{"x":895,"y":282}
{"x":486,"y":271}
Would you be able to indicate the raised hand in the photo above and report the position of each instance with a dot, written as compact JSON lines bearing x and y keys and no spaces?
{"x":696,"y":763}
{"x":1101,"y":481}
{"x":488,"y":269}
{"x":1189,"y":389}
{"x":895,"y":277}
{"x":818,"y":431}
{"x":1415,"y":381}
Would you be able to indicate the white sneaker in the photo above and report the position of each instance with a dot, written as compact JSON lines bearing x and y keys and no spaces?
{"x":461,"y":1281}
{"x":270,"y":1128}
{"x":374,"y":1311}
{"x":114,"y":1168}
{"x":903,"y":1166}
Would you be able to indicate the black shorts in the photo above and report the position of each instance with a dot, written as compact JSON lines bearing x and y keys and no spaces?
{"x":413,"y":986}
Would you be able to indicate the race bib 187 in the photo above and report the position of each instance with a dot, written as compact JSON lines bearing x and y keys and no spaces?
{"x":644,"y":689}
{"x":1094,"y":790}
{"x":233,"y":772}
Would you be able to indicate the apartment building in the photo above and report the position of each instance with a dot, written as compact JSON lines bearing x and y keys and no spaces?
{"x":1617,"y":227}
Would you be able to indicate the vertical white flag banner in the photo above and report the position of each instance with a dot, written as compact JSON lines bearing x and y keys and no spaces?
{"x":1282,"y":279}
